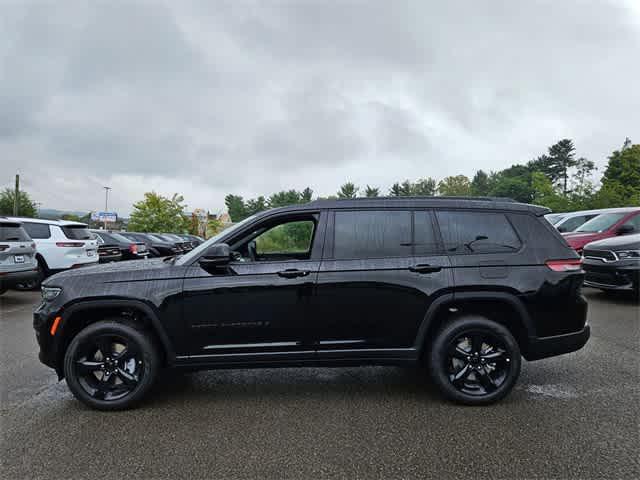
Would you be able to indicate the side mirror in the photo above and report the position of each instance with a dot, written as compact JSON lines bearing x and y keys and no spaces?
{"x":625,"y":229}
{"x":215,"y":256}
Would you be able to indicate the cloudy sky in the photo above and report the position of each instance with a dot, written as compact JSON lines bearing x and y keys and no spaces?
{"x":214,"y":97}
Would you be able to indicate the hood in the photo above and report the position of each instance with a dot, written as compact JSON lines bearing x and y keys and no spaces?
{"x":127,"y":269}
{"x":623,"y":242}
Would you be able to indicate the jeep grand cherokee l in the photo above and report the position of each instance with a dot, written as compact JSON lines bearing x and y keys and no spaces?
{"x":466,"y":287}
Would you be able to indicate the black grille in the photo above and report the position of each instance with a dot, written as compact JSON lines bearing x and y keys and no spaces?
{"x":601,"y":254}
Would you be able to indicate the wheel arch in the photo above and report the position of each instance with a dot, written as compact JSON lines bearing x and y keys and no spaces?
{"x":502,"y":307}
{"x":79,"y":315}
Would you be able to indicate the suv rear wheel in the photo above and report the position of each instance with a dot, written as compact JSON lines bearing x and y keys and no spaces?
{"x":110,"y":365}
{"x":474,"y":361}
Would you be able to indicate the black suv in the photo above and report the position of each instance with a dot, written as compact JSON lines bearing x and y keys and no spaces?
{"x":464,"y":286}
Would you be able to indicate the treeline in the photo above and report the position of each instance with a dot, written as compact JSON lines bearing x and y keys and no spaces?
{"x":558,"y":179}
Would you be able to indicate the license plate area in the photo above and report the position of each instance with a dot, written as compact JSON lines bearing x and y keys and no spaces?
{"x":18,"y":258}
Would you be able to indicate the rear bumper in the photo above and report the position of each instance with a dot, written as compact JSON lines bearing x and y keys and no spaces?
{"x":544,"y":347}
{"x":11,"y":279}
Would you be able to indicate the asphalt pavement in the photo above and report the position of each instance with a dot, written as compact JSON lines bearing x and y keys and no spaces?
{"x":575,"y":416}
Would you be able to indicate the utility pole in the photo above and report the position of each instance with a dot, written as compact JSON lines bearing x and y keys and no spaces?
{"x":16,"y":196}
{"x":106,"y":203}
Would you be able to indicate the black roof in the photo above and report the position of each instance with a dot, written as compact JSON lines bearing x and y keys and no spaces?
{"x":492,"y":203}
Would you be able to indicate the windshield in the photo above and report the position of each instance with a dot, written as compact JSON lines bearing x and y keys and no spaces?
{"x":554,"y":218}
{"x":196,"y":252}
{"x":600,"y":223}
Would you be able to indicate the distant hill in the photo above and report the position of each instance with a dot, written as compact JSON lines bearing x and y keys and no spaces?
{"x":53,"y":214}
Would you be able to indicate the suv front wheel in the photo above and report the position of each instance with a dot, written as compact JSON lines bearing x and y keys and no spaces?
{"x":110,"y":365}
{"x":474,"y":361}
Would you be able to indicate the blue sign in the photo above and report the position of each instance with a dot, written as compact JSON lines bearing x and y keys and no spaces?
{"x":104,"y":216}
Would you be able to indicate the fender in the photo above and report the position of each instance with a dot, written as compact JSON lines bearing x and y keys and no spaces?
{"x":451,"y":298}
{"x":123,"y":303}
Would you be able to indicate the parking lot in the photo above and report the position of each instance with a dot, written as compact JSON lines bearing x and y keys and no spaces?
{"x":569,"y":417}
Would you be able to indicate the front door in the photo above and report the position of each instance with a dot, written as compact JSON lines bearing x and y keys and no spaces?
{"x":257,"y":307}
{"x":381,"y":271}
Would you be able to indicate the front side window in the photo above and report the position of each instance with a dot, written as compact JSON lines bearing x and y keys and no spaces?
{"x":372,"y":234}
{"x":477,"y":232}
{"x":37,"y":230}
{"x":286,"y":238}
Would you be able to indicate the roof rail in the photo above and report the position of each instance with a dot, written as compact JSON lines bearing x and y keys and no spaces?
{"x":423,"y":197}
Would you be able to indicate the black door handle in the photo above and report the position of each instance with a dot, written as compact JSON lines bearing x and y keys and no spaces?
{"x":293,"y":273}
{"x":424,"y":268}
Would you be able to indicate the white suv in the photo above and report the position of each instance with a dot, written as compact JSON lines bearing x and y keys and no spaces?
{"x":60,"y":245}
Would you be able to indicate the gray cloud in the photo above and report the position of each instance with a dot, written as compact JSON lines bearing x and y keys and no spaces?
{"x":207,"y":98}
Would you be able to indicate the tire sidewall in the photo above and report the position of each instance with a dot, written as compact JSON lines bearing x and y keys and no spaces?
{"x":438,"y":355}
{"x":150,"y":364}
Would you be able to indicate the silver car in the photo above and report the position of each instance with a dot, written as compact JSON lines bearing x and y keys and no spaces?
{"x":18,"y":264}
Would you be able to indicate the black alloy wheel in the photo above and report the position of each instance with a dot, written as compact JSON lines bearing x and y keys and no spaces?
{"x":110,"y":365}
{"x":475,"y":361}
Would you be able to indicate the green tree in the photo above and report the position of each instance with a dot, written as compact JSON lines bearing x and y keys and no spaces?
{"x":255,"y":205}
{"x":544,"y":194}
{"x":371,"y":191}
{"x":424,"y":187}
{"x":513,"y":182}
{"x":556,"y":165}
{"x":306,"y":195}
{"x":480,"y":185}
{"x":621,"y":179}
{"x":158,"y":214}
{"x":458,"y":185}
{"x":235,"y":207}
{"x":26,"y":206}
{"x":71,"y":217}
{"x":396,"y":190}
{"x":284,"y":198}
{"x":348,"y":190}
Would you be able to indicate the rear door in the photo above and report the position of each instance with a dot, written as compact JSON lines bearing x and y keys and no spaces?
{"x":380,"y":272}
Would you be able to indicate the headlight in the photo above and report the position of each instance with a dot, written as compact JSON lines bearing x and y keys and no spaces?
{"x":628,"y":254}
{"x":49,"y":293}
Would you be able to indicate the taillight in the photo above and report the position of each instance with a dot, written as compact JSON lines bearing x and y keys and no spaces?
{"x":572,"y":265}
{"x":69,"y":244}
{"x":133,"y":248}
{"x":33,"y":245}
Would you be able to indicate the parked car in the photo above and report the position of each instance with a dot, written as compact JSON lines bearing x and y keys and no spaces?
{"x":621,"y":221}
{"x":18,"y":262}
{"x":60,"y":245}
{"x":570,"y":221}
{"x":157,"y":247}
{"x":184,"y":245}
{"x":613,"y":263}
{"x":465,"y":286}
{"x":108,"y":253}
{"x":129,"y":249}
{"x":193,"y":240}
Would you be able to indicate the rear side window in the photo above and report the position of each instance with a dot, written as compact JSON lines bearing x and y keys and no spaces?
{"x":77,"y":232}
{"x":37,"y":230}
{"x":425,"y":240}
{"x":13,"y":232}
{"x":372,"y":234}
{"x":477,"y":232}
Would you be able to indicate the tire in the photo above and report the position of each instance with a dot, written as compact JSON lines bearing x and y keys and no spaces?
{"x":469,"y":379}
{"x":35,"y":283}
{"x":117,"y":380}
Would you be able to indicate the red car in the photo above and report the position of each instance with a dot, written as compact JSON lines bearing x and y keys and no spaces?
{"x":618,"y":222}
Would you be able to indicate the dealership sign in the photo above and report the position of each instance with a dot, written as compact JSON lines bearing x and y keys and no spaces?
{"x":104,"y":216}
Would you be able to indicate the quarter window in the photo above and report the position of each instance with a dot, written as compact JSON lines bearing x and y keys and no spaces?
{"x":37,"y":230}
{"x":372,"y":234}
{"x":477,"y":232}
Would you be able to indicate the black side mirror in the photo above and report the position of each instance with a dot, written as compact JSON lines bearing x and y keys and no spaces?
{"x":215,"y":256}
{"x":625,"y":229}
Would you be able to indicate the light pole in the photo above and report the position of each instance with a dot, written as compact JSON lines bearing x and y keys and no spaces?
{"x":106,"y":203}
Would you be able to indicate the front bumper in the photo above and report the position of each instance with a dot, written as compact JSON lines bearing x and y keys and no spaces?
{"x":11,"y":279}
{"x":613,"y":276}
{"x":43,"y":317}
{"x":544,"y":347}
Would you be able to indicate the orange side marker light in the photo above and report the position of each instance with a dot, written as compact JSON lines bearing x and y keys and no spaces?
{"x":54,"y":327}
